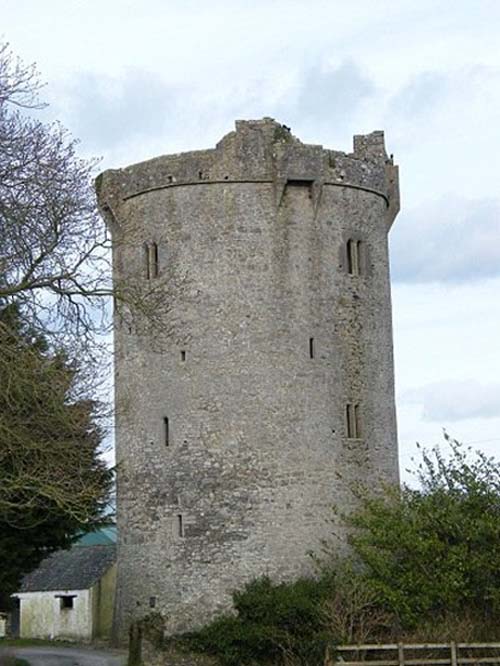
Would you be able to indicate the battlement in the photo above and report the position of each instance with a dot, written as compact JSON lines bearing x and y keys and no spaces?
{"x":262,"y":151}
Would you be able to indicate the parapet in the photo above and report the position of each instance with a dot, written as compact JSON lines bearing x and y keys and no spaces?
{"x":261,"y":151}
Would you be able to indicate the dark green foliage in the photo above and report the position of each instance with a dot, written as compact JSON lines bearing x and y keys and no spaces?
{"x":435,"y":550}
{"x":272,"y":622}
{"x":53,"y":485}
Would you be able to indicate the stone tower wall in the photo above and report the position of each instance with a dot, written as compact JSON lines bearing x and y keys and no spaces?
{"x":267,"y":338}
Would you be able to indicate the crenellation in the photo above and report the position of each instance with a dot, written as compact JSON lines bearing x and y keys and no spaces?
{"x":260,"y":150}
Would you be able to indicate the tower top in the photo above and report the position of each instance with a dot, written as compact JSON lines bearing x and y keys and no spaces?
{"x":259,"y":151}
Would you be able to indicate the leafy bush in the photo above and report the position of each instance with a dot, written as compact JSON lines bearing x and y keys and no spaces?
{"x":273,"y":622}
{"x":435,"y":550}
{"x":352,"y":613}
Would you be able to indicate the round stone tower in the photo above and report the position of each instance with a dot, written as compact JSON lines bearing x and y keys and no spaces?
{"x":265,"y":386}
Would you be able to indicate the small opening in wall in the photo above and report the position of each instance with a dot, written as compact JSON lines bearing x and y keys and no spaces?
{"x":296,"y":183}
{"x":152,"y":602}
{"x":311,"y":347}
{"x":348,"y":420}
{"x":353,"y":421}
{"x":151,"y":260}
{"x":67,"y":601}
{"x":183,"y":355}
{"x":180,"y":525}
{"x":146,"y":261}
{"x":355,"y":250}
{"x":170,"y":180}
{"x":200,"y":175}
{"x":357,"y":421}
{"x":166,"y":431}
{"x":351,"y":257}
{"x":226,"y":177}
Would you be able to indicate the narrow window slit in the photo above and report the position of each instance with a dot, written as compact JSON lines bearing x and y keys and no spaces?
{"x":351,"y":257}
{"x":357,"y":421}
{"x":183,"y":355}
{"x":151,"y":260}
{"x":349,"y":421}
{"x":146,"y":261}
{"x":311,"y":347}
{"x":152,"y":602}
{"x":166,"y":433}
{"x":353,"y":421}
{"x":355,"y":253}
{"x":180,"y":525}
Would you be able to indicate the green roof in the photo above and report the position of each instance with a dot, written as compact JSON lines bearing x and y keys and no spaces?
{"x":105,"y":536}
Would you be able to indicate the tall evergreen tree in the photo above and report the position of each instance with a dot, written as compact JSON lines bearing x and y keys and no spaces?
{"x":53,"y":483}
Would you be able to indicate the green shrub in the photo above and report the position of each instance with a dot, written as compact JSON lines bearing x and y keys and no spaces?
{"x":435,"y":550}
{"x":273,"y":622}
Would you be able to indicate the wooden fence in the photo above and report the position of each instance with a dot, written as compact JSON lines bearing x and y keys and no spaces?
{"x":412,"y":654}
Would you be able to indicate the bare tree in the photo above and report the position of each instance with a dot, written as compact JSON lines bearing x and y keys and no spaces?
{"x":54,"y":251}
{"x":54,"y":246}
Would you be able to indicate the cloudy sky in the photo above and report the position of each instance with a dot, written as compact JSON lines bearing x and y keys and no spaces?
{"x":133,"y":79}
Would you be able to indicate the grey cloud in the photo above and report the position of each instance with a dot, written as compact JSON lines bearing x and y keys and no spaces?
{"x":453,"y":93}
{"x":106,"y":112}
{"x":102,"y":111}
{"x":332,"y":93}
{"x":450,"y":240}
{"x":421,"y":95}
{"x":445,"y":402}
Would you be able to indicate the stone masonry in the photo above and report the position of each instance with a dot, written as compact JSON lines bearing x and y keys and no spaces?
{"x":270,"y":388}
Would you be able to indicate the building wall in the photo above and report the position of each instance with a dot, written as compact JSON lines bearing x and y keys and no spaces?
{"x":103,"y":600}
{"x":252,"y":241}
{"x":43,"y":617}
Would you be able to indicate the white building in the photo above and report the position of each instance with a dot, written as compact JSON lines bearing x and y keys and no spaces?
{"x":70,"y":595}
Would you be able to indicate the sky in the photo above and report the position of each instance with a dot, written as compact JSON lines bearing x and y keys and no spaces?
{"x":135,"y":79}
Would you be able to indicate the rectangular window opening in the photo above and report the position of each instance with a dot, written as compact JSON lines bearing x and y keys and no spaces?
{"x":360,"y":256}
{"x":151,"y":260}
{"x":357,"y":422}
{"x":353,"y":248}
{"x":311,"y":347}
{"x":67,"y":601}
{"x":296,"y":183}
{"x":146,"y":262}
{"x":152,"y":602}
{"x":183,"y":355}
{"x":166,"y":431}
{"x":353,"y":421}
{"x":180,"y":525}
{"x":349,"y":420}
